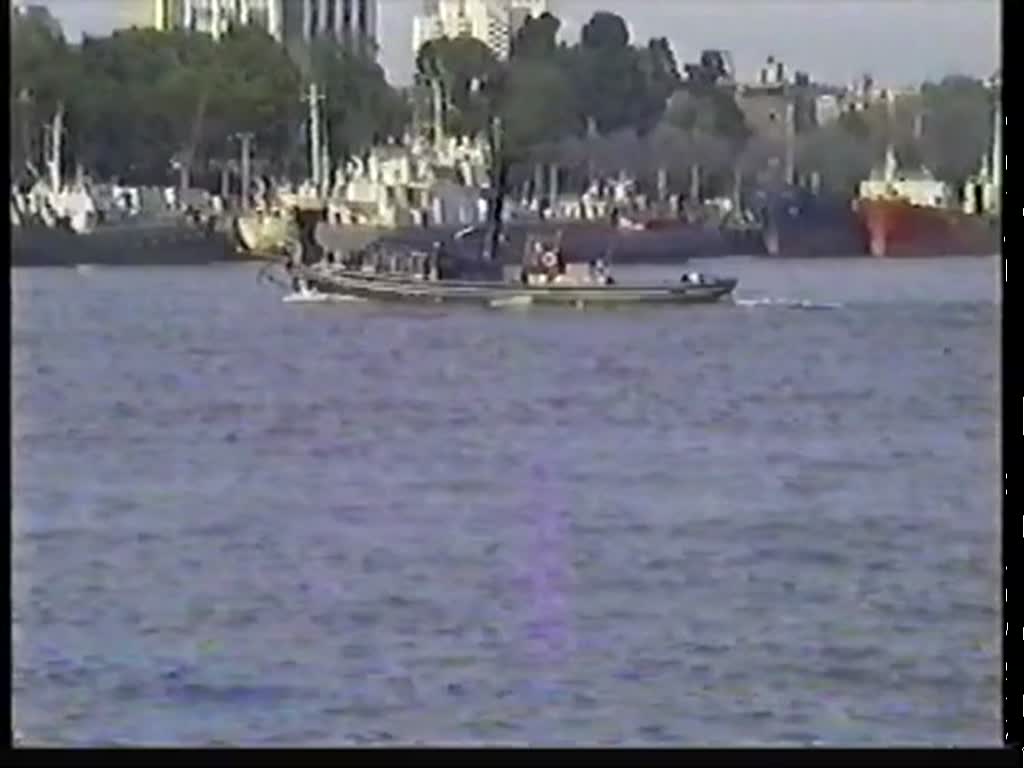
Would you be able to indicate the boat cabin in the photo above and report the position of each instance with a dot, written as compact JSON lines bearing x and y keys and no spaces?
{"x":438,"y":261}
{"x":545,"y":263}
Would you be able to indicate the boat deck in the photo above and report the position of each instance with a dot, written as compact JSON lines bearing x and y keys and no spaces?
{"x":496,"y":293}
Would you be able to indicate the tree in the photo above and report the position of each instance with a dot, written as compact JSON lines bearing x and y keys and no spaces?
{"x":958,"y":126}
{"x":605,"y":32}
{"x":841,"y":153}
{"x":361,"y":109}
{"x":538,"y":107}
{"x":140,"y":99}
{"x":606,"y":73}
{"x":464,"y":67}
{"x":537,"y":38}
{"x":42,"y":76}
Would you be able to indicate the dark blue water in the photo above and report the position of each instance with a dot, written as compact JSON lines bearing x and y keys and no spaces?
{"x":240,"y":521}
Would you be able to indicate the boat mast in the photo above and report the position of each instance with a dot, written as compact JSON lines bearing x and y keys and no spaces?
{"x":499,"y":175}
{"x":56,"y":145}
{"x":790,"y":143}
{"x":245,"y":139}
{"x":314,"y":98}
{"x":890,"y":150}
{"x":435,"y":87}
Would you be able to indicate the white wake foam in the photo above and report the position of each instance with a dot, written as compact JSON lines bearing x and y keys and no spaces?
{"x":770,"y":301}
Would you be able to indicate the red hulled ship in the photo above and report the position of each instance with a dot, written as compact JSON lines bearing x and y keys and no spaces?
{"x":914,"y":214}
{"x":899,"y":228}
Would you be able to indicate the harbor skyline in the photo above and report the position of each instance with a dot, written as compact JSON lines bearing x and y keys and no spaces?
{"x":946,"y":36}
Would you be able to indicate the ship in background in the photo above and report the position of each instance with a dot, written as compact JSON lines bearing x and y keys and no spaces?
{"x":59,"y":224}
{"x":802,"y":221}
{"x":912,"y":214}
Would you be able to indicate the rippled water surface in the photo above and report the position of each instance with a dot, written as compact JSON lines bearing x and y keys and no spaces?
{"x":242,"y":521}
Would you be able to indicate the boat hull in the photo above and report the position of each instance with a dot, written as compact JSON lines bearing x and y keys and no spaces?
{"x":803,"y":225}
{"x":897,"y":229}
{"x":497,"y":294}
{"x":137,"y":245}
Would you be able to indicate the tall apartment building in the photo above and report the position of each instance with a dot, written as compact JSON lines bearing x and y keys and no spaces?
{"x":493,"y":22}
{"x":353,"y":21}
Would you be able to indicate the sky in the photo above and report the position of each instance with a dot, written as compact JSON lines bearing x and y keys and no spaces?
{"x":900,"y":42}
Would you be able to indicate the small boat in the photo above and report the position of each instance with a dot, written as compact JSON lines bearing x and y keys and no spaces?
{"x":545,"y":279}
{"x":499,"y":294}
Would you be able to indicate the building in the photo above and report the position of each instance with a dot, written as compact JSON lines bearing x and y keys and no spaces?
{"x":351,"y":21}
{"x":493,"y":22}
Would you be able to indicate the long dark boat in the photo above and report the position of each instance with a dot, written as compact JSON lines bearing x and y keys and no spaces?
{"x":444,"y":273}
{"x":54,"y":224}
{"x":321,"y":281}
{"x":143,"y":243}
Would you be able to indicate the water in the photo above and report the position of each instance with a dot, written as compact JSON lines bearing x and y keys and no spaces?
{"x":240,"y":521}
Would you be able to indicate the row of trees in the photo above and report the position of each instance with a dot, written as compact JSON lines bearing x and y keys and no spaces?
{"x":605,"y":105}
{"x":140,"y":101}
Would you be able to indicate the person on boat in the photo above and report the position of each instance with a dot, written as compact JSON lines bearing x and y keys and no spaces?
{"x":600,"y":273}
{"x":439,"y":259}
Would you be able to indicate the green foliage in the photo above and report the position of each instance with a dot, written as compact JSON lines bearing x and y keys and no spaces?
{"x":958,"y":126}
{"x":840,"y":152}
{"x":140,"y":99}
{"x":605,"y":32}
{"x":538,"y":106}
{"x":548,"y":92}
{"x":360,"y":108}
{"x":467,"y":71}
{"x":947,"y":128}
{"x":537,"y":38}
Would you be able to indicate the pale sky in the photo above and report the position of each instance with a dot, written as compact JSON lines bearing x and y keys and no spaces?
{"x":901,"y":42}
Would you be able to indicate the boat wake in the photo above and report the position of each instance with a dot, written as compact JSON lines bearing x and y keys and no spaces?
{"x":784,"y":303}
{"x":312,"y":297}
{"x":512,"y":302}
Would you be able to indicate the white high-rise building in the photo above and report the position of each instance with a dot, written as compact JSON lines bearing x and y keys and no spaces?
{"x":493,"y":22}
{"x":353,"y":21}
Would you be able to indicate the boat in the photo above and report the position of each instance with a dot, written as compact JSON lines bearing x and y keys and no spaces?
{"x":68,"y":225}
{"x":913,"y":214}
{"x":144,"y":243}
{"x":264,"y":234}
{"x":899,"y":228}
{"x":448,"y":275}
{"x":497,"y":293}
{"x":800,"y":223}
